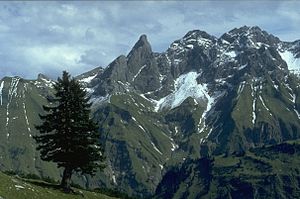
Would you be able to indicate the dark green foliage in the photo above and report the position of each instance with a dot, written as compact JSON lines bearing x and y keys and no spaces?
{"x":68,"y":136}
{"x":264,"y":172}
{"x":191,"y":170}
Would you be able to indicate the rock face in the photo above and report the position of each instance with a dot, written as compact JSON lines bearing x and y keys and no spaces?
{"x":138,"y":71}
{"x":228,"y":94}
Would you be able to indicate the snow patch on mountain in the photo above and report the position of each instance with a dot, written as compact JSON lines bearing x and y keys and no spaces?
{"x":97,"y":101}
{"x":88,"y":79}
{"x":174,"y":145}
{"x":156,"y":149}
{"x":176,"y":130}
{"x":242,"y":67}
{"x":140,"y":126}
{"x":231,"y":54}
{"x":19,"y":187}
{"x":42,"y":83}
{"x":253,"y":91}
{"x":241,"y":88}
{"x":12,"y":92}
{"x":161,"y":166}
{"x":275,"y":85}
{"x":292,"y":62}
{"x":210,"y":102}
{"x":185,"y":85}
{"x":48,"y":82}
{"x":26,"y":119}
{"x":1,"y":88}
{"x":137,"y":74}
{"x":263,"y":103}
{"x":7,"y":115}
{"x":297,"y":113}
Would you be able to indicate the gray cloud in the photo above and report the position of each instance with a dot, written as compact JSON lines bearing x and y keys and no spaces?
{"x":48,"y":37}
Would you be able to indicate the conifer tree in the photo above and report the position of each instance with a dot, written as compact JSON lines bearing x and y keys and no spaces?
{"x":68,"y":136}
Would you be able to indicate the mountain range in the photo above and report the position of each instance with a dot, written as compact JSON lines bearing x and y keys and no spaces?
{"x":159,"y":113}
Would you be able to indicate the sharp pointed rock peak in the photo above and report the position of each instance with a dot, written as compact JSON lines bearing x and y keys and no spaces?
{"x":142,"y":46}
{"x":143,"y":41}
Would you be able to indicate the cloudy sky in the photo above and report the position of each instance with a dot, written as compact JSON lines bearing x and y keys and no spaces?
{"x":48,"y":37}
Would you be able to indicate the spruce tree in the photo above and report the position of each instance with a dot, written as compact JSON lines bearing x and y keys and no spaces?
{"x":68,"y":136}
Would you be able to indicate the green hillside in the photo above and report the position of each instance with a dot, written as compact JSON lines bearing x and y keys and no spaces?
{"x":13,"y":187}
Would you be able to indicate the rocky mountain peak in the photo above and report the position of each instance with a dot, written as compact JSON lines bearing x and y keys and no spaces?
{"x":137,"y":70}
{"x":253,"y":37}
{"x":240,"y":52}
{"x":140,"y":55}
{"x":142,"y":40}
{"x":141,"y":47}
{"x":196,"y":34}
{"x":194,"y":38}
{"x":42,"y":77}
{"x":44,"y":81}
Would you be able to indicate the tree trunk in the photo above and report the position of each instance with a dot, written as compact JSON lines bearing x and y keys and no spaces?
{"x":66,"y":180}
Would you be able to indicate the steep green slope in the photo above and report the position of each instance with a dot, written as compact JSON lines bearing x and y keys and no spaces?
{"x":137,"y":142}
{"x":21,"y":102}
{"x":257,"y":112}
{"x":18,"y":188}
{"x":143,"y":142}
{"x":267,"y":172}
